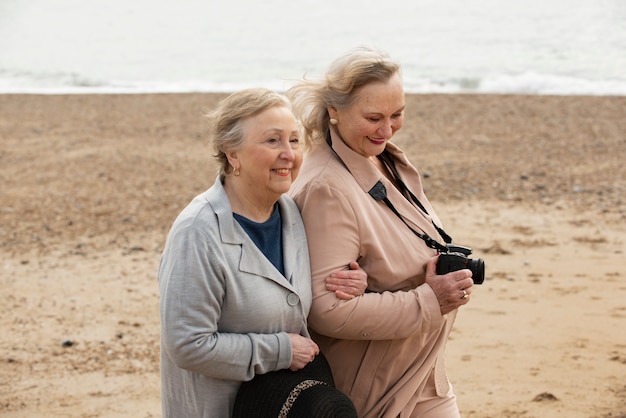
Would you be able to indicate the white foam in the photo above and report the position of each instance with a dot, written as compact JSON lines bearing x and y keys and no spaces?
{"x":526,"y":83}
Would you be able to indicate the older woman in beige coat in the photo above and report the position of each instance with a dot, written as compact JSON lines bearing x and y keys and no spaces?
{"x":385,"y":347}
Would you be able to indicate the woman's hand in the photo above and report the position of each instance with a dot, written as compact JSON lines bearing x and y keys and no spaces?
{"x":303,"y":351}
{"x":452,"y":289}
{"x":348,"y":284}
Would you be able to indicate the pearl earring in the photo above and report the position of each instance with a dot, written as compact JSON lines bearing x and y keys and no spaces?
{"x":333,"y":121}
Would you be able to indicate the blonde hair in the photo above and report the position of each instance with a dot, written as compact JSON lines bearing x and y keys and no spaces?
{"x":345,"y":77}
{"x":226,"y":131}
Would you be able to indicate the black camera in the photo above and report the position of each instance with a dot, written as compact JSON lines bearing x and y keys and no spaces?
{"x":456,"y":259}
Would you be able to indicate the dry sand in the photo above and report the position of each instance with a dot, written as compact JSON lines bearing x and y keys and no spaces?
{"x":535,"y":184}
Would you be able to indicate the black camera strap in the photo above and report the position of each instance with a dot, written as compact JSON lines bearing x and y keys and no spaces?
{"x":379,"y":192}
{"x":386,"y":159}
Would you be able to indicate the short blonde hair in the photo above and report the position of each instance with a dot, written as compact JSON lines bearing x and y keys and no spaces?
{"x":225,"y":127}
{"x":343,"y":80}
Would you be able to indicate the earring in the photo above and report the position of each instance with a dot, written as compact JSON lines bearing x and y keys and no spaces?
{"x":236,"y":172}
{"x":333,"y":121}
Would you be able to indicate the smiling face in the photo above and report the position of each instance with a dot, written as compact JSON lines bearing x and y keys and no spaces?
{"x":270,"y":157}
{"x":373,"y":118}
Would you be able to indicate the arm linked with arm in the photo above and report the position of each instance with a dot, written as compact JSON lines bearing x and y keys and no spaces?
{"x":335,"y":231}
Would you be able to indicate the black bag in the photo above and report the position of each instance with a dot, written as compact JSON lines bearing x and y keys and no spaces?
{"x":307,"y":393}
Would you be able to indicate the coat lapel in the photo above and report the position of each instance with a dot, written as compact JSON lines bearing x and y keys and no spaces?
{"x":252,"y":259}
{"x":366,"y":175}
{"x":290,"y":246}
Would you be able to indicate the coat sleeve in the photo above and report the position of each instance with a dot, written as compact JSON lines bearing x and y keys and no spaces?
{"x":336,"y":230}
{"x":192,"y":280}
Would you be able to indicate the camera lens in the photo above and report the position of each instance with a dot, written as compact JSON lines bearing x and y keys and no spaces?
{"x":477,"y":267}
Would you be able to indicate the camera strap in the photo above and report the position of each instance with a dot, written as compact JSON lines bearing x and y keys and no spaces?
{"x":379,"y":192}
{"x":386,"y":159}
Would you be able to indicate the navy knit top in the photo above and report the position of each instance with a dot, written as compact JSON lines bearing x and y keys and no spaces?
{"x":267,"y":236}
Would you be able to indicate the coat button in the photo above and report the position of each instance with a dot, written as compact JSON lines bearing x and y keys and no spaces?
{"x":293,"y":299}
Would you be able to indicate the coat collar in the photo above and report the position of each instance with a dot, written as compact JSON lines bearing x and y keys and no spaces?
{"x":367,"y":175}
{"x":252,"y":259}
{"x":361,"y":168}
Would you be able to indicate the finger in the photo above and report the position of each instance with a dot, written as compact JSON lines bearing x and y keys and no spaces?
{"x":354,"y":265}
{"x":466,"y":283}
{"x":343,"y":281}
{"x":346,"y":274}
{"x":343,"y":295}
{"x":348,"y":290}
{"x":332,"y":286}
{"x":335,"y":287}
{"x":338,"y":276}
{"x":431,"y":266}
{"x":462,"y":277}
{"x":352,"y":290}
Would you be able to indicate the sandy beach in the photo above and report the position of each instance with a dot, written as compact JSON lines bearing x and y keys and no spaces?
{"x":90,"y":185}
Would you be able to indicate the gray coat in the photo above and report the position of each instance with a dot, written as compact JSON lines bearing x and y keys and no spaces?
{"x":225,"y":309}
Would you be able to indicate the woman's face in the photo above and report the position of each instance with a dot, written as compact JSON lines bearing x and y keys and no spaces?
{"x":374,"y":117}
{"x":270,"y":158}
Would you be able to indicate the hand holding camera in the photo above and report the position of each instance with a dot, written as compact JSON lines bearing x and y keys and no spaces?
{"x":451,"y":276}
{"x":456,"y":259}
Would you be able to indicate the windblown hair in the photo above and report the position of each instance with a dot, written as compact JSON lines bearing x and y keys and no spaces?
{"x":225,"y":122}
{"x":345,"y":77}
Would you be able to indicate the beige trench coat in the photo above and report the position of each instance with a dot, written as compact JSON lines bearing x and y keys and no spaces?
{"x":385,"y":346}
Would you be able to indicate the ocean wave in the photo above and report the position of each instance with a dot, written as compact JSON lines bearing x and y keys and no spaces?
{"x":525,"y":83}
{"x":24,"y":82}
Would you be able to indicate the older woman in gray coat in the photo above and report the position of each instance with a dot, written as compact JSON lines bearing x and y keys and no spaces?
{"x":234,"y":277}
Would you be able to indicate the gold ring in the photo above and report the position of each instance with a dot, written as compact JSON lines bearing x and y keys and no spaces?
{"x":465,"y":295}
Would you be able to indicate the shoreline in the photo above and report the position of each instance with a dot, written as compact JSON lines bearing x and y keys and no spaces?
{"x":226,"y":92}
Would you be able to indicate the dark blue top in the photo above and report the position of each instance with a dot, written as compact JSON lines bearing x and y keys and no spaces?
{"x":267,"y":236}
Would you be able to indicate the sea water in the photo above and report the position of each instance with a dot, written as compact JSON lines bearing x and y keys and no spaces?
{"x":444,"y":46}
